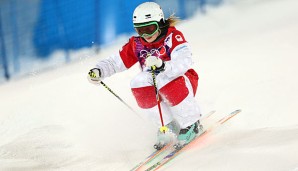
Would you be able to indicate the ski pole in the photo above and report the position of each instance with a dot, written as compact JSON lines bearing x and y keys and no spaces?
{"x":163,"y":127}
{"x":102,"y":83}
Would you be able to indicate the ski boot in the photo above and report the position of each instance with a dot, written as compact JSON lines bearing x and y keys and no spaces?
{"x":186,"y":135}
{"x":164,"y":138}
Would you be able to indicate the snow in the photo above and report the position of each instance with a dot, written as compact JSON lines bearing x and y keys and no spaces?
{"x":246,"y":56}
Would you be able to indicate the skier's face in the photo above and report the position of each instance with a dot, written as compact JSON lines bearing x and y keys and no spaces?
{"x":152,"y":38}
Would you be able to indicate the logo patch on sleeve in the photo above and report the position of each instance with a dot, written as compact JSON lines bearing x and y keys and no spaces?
{"x":179,"y":38}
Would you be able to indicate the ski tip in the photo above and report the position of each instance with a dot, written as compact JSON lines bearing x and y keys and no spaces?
{"x":212,"y":112}
{"x":207,"y":115}
{"x":237,"y":111}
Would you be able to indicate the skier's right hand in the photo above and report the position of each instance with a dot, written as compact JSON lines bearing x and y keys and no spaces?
{"x":94,"y":76}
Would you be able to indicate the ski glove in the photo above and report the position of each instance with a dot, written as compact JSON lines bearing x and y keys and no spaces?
{"x":94,"y":76}
{"x":155,"y":63}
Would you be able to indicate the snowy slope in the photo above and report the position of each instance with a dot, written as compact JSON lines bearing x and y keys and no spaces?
{"x":246,"y":55}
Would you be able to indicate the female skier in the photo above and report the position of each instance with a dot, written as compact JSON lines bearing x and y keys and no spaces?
{"x":162,"y":49}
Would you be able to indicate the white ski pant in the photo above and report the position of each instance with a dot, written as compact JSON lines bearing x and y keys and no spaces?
{"x":177,"y":98}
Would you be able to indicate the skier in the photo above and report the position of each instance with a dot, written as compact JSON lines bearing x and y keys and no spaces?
{"x":162,"y":49}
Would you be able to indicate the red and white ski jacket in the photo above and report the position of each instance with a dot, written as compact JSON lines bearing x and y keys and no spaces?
{"x":173,"y":49}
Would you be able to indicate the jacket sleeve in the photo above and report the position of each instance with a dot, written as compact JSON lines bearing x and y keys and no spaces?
{"x":118,"y":62}
{"x":181,"y":55}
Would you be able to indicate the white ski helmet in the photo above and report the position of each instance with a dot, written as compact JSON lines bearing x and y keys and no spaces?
{"x":147,"y":12}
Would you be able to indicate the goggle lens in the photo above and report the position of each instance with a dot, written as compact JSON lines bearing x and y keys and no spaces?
{"x":146,"y":30}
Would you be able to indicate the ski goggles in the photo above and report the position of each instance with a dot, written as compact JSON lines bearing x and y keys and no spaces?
{"x":147,"y":29}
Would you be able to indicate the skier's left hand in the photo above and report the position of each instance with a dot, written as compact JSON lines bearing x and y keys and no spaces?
{"x":155,"y":63}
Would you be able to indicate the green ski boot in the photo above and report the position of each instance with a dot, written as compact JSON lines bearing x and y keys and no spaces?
{"x":186,"y":135}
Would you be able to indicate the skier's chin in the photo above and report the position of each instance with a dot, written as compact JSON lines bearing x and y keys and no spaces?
{"x":149,"y":39}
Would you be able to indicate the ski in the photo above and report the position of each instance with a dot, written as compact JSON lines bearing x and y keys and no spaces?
{"x":176,"y":152}
{"x":154,"y":155}
{"x":151,"y":157}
